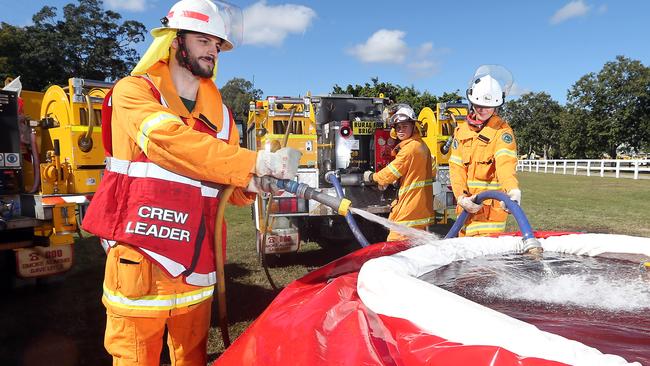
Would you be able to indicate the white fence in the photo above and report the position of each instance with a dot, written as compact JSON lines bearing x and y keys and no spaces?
{"x":605,"y":168}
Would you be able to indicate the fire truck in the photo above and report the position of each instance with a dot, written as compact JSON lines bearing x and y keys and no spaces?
{"x":438,"y":129}
{"x":345,"y":135}
{"x":336,"y":133}
{"x":51,"y":162}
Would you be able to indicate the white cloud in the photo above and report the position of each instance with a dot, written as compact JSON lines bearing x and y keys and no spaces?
{"x":269,"y":25}
{"x":389,"y":47}
{"x":576,"y":8}
{"x":131,"y":5}
{"x":424,"y":50}
{"x":423,"y":69}
{"x":422,"y":63}
{"x":384,"y":46}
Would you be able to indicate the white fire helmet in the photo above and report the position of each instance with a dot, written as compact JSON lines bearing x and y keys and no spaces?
{"x":403,"y":113}
{"x":489,"y":86}
{"x":213,"y":17}
{"x":486,"y":92}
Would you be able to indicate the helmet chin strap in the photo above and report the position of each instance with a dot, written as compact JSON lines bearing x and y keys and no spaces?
{"x":473,"y":120}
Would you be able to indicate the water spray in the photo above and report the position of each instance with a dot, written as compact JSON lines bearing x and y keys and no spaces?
{"x":531,"y":244}
{"x":340,"y":204}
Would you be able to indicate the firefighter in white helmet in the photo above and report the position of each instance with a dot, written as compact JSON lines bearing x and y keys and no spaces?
{"x":484,"y":153}
{"x":411,"y":168}
{"x":172,"y":146}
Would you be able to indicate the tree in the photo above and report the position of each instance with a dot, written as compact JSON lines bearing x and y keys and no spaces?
{"x":576,"y":141}
{"x":399,"y":94}
{"x":615,"y":108}
{"x":86,"y":42}
{"x":535,"y":118}
{"x":237,"y":94}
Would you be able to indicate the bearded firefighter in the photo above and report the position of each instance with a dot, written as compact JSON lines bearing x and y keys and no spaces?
{"x":172,"y":146}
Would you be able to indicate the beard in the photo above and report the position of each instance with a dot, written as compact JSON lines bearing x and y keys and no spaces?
{"x":195,"y":67}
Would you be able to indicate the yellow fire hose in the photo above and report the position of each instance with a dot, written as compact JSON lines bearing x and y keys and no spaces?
{"x":85,"y":141}
{"x":267,"y":215}
{"x":224,"y":196}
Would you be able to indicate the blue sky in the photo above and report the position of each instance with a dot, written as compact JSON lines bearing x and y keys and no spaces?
{"x":293,"y":47}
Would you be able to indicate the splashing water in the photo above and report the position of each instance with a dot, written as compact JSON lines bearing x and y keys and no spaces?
{"x":601,"y":302}
{"x":584,"y":282}
{"x":562,"y":279}
{"x":415,"y":236}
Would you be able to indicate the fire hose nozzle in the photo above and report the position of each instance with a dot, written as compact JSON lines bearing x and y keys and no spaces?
{"x":302,"y":190}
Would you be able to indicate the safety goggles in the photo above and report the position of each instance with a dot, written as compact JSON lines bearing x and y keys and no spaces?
{"x":399,"y":118}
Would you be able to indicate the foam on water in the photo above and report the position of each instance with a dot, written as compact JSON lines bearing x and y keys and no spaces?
{"x":589,"y":291}
{"x":585,"y":282}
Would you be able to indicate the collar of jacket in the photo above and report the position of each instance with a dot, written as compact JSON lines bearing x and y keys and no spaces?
{"x":489,"y":130}
{"x":414,"y":137}
{"x":208,"y":100}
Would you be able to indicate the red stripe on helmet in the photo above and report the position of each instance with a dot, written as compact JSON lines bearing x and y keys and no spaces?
{"x":195,"y":15}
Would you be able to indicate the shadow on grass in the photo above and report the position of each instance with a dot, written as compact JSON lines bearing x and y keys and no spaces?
{"x":235,"y":270}
{"x":244,"y":301}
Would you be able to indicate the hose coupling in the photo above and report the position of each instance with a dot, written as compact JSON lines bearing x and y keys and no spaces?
{"x":344,"y":207}
{"x":532,"y":246}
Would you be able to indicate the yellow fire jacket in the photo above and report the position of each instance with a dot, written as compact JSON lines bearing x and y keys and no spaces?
{"x":133,"y":284}
{"x":412,"y":167}
{"x":481,"y":161}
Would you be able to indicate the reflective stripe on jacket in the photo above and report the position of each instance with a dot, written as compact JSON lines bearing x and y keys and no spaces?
{"x":157,"y":200}
{"x":412,"y":167}
{"x":173,"y":230}
{"x":483,"y":160}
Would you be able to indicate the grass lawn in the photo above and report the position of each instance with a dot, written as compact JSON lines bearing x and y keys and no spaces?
{"x":589,"y":204}
{"x":61,"y":321}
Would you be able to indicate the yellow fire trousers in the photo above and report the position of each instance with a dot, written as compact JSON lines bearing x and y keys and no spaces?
{"x":138,"y":340}
{"x":491,"y":219}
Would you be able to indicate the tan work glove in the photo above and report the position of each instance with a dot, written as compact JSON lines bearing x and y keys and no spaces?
{"x":467,"y":203}
{"x":262,"y":184}
{"x":282,"y":164}
{"x":367,"y":177}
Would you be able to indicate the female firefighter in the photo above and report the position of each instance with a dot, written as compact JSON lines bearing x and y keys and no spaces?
{"x":412,"y":168}
{"x":484,"y":153}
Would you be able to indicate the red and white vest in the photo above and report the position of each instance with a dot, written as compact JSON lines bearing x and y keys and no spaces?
{"x":168,"y":217}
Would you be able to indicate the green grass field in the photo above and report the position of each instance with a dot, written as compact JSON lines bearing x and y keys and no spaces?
{"x":589,"y":204}
{"x":61,"y":321}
